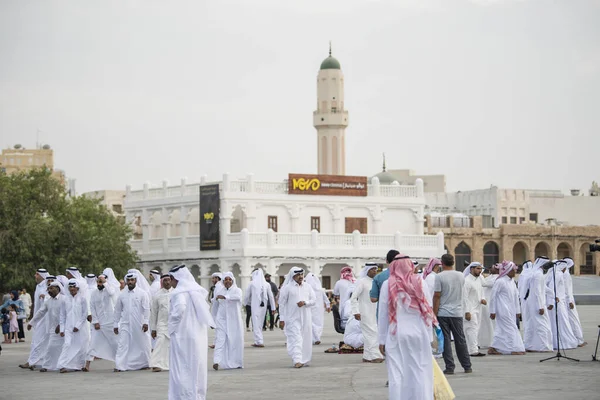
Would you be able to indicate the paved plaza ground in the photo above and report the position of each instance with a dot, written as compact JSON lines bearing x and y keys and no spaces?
{"x":268,"y":375}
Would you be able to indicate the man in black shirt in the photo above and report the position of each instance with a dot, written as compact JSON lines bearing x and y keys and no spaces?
{"x":270,"y":313}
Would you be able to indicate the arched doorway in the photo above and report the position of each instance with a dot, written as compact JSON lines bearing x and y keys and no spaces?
{"x":542,"y":250}
{"x":563,"y":250}
{"x":520,"y":252}
{"x":491,"y":254}
{"x":462,"y":255}
{"x":587,"y":266}
{"x":195,"y":270}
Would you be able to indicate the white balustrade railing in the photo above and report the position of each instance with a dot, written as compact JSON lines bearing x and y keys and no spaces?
{"x":174,"y":244}
{"x":292,"y":240}
{"x":271,"y":187}
{"x":335,"y":240}
{"x":192,"y":243}
{"x":156,"y":245}
{"x":257,"y":239}
{"x":396,"y":190}
{"x":137,"y":245}
{"x":377,"y":241}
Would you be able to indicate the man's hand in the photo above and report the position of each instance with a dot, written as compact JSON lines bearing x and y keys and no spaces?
{"x":89,"y":318}
{"x":42,"y":296}
{"x":571,"y":306}
{"x":492,"y":316}
{"x":281,"y":324}
{"x":220,"y":297}
{"x":145,"y":328}
{"x":97,"y":326}
{"x":57,"y":330}
{"x":75,"y":330}
{"x":116,"y":331}
{"x":382,"y":349}
{"x":28,"y":327}
{"x":484,"y":302}
{"x":468,"y":316}
{"x":301,"y":304}
{"x":550,"y":307}
{"x":541,"y":311}
{"x":519,"y":317}
{"x":62,"y":334}
{"x":153,"y":334}
{"x":357,"y":317}
{"x":557,"y":300}
{"x":328,"y":309}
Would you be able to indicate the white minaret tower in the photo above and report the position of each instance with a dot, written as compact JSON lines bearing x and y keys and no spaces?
{"x":331,"y":118}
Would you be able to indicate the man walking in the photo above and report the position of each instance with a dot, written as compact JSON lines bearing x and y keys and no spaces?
{"x":75,"y":328}
{"x":258,"y":295}
{"x":189,"y":319}
{"x":159,"y":326}
{"x":103,"y":342}
{"x":50,"y":311}
{"x":132,"y":313}
{"x":473,"y":302}
{"x":229,"y":331}
{"x":366,"y":312}
{"x":448,"y":307}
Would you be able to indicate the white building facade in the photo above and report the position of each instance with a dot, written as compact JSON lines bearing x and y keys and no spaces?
{"x":262,"y":225}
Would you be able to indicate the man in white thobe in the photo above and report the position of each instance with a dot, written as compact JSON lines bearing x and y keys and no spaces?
{"x":321,"y":305}
{"x":570,"y":299}
{"x":537,"y":333}
{"x":155,"y":280}
{"x":103,"y":343}
{"x":343,"y":288}
{"x":472,"y":302}
{"x":365,"y":311}
{"x":131,"y":316}
{"x":26,"y":299}
{"x":189,"y":319}
{"x":159,"y":326}
{"x":258,"y":295}
{"x":229,"y":330}
{"x":504,"y":309}
{"x":295,"y":302}
{"x":75,"y":328}
{"x":39,"y":339}
{"x":559,"y":296}
{"x":352,"y":333}
{"x":50,"y":311}
{"x":486,"y":328}
{"x":217,"y":284}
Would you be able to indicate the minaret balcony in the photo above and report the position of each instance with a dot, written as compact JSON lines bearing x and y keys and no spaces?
{"x":332,"y":118}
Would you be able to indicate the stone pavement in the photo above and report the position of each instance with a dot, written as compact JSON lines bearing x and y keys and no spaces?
{"x":268,"y":375}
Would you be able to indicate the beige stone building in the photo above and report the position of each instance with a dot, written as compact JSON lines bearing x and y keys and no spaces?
{"x":518,"y":243}
{"x":111,"y":199}
{"x":19,"y":158}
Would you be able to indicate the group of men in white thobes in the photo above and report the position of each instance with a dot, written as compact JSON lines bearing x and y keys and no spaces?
{"x":493,"y":305}
{"x":65,"y":305}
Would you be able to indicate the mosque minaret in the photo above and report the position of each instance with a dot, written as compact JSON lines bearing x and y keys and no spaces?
{"x":331,"y":118}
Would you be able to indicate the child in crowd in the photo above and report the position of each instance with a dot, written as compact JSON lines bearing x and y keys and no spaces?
{"x":5,"y":318}
{"x":14,"y":324}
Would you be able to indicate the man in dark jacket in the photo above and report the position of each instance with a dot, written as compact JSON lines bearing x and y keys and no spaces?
{"x":270,"y":312}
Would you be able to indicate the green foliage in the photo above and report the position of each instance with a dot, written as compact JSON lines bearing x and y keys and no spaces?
{"x":41,"y":227}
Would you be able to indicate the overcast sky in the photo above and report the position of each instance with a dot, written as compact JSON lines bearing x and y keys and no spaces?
{"x":502,"y":92}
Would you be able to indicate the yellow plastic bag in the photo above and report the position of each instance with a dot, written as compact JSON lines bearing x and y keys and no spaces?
{"x":441,"y":387}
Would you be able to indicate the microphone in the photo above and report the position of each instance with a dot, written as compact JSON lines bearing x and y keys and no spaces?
{"x":548,"y":265}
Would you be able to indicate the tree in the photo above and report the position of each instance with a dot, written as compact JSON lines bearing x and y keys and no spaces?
{"x":42,"y":227}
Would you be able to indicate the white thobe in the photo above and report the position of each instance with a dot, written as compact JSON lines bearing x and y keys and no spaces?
{"x":188,"y":355}
{"x":26,"y":299}
{"x":39,"y":339}
{"x":154,"y":288}
{"x":50,"y":311}
{"x":573,"y":314}
{"x":408,"y":351}
{"x":361,"y":304}
{"x":298,"y":320}
{"x":103,"y":342}
{"x":255,"y":298}
{"x":318,"y":314}
{"x":131,"y":312}
{"x":73,"y":314}
{"x":486,"y":324}
{"x":430,"y":287}
{"x":537,"y":332}
{"x":229,"y":330}
{"x":472,"y":296}
{"x":342,"y":288}
{"x":159,"y":322}
{"x":505,"y":304}
{"x":352,"y":333}
{"x":567,"y":337}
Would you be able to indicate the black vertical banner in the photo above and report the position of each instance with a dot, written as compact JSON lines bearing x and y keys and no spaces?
{"x":209,"y":217}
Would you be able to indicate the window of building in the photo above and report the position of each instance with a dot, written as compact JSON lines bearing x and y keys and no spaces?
{"x":326,"y":282}
{"x":315,"y":224}
{"x":356,"y":224}
{"x":118,"y":208}
{"x":272,"y":222}
{"x":533,"y":217}
{"x":513,"y":220}
{"x":521,"y":220}
{"x":504,"y":220}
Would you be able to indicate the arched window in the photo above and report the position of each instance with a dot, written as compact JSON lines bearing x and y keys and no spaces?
{"x":519,"y":253}
{"x":462,"y":255}
{"x":563,"y":250}
{"x":491,"y":254}
{"x":542,"y":250}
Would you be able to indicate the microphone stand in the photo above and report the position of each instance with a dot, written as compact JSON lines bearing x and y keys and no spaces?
{"x":558,"y":355}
